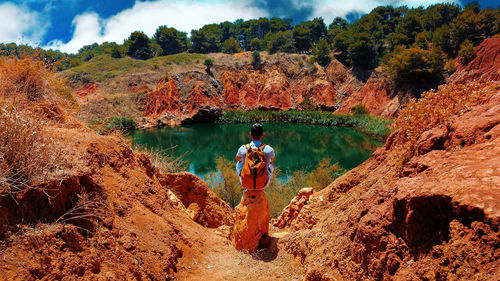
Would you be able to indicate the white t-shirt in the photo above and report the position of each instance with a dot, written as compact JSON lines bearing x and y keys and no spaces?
{"x":268,"y":151}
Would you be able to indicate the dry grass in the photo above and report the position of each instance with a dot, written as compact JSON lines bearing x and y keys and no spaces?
{"x":27,"y":155}
{"x":28,"y":102}
{"x":85,"y":213}
{"x":438,"y":107}
{"x":162,"y":160}
{"x":24,"y":79}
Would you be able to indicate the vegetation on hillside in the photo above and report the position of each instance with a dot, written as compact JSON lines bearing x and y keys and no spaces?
{"x":104,"y":66}
{"x":376,"y":127}
{"x":385,"y":34}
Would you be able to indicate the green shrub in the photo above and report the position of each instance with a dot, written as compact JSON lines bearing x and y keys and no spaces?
{"x":208,"y":63}
{"x":120,"y":123}
{"x":322,"y":52}
{"x":416,"y":65}
{"x":467,"y":52}
{"x":255,"y":44}
{"x":374,"y":126}
{"x":324,"y":174}
{"x":359,"y":110}
{"x":231,"y":46}
{"x":226,"y":184}
{"x":256,"y":60}
{"x":308,"y":104}
{"x":450,"y":66}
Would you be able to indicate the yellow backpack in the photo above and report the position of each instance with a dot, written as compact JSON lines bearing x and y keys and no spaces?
{"x":254,"y":174}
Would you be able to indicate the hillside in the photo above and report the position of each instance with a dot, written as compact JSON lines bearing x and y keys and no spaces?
{"x":160,"y":91}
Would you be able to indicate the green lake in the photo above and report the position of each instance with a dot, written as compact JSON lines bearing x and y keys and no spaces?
{"x":297,"y":146}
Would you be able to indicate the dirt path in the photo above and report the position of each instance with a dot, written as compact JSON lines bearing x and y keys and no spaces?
{"x":221,"y":261}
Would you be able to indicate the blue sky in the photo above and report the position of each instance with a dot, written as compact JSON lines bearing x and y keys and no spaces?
{"x":67,"y":25}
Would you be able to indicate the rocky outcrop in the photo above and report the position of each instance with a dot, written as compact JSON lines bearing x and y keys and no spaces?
{"x":163,"y":100}
{"x":485,"y":66}
{"x":201,"y":203}
{"x":288,"y":218}
{"x":251,"y":221}
{"x":87,"y":89}
{"x":378,"y":95}
{"x":273,"y":88}
{"x":195,"y":96}
{"x":432,"y":213}
{"x":187,"y":98}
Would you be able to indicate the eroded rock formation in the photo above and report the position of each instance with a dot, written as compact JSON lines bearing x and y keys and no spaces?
{"x":201,"y":203}
{"x":289,"y":217}
{"x":485,"y":66}
{"x":251,"y":220}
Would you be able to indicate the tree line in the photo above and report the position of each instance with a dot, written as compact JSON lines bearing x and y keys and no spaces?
{"x":386,"y":36}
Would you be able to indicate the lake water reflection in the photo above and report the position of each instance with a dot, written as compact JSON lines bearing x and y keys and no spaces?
{"x":297,"y":146}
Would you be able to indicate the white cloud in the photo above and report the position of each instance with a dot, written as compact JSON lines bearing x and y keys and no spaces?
{"x":331,"y":9}
{"x":20,"y":25}
{"x":186,"y":15}
{"x":147,"y":16}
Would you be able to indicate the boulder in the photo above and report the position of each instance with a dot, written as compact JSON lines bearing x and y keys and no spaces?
{"x":200,"y":202}
{"x":291,"y":212}
{"x":251,"y":220}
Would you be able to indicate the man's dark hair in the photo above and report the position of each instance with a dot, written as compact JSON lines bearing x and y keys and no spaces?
{"x":257,"y":131}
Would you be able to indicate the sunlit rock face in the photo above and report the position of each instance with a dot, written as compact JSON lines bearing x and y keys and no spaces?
{"x":251,"y":220}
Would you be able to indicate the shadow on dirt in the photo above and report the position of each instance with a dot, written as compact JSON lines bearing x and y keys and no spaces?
{"x":268,"y":249}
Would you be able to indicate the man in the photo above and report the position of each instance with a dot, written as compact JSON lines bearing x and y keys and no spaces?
{"x":256,"y":133}
{"x":251,"y":216}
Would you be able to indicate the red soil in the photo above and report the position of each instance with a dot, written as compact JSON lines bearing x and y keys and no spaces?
{"x":376,"y":96}
{"x":202,"y":204}
{"x":164,"y":99}
{"x":143,"y":86}
{"x":486,"y":65}
{"x":87,"y":89}
{"x":108,"y":217}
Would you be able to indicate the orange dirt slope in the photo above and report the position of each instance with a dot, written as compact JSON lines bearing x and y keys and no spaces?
{"x":433,"y":214}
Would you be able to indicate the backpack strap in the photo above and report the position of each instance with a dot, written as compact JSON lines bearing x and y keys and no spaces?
{"x":261,"y":147}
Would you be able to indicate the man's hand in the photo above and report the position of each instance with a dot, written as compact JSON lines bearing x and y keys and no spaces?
{"x":238,"y":158}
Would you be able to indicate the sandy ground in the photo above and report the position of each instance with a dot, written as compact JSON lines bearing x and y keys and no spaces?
{"x":221,"y":261}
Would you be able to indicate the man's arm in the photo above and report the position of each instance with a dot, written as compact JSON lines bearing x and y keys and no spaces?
{"x":271,"y":154}
{"x":240,"y":153}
